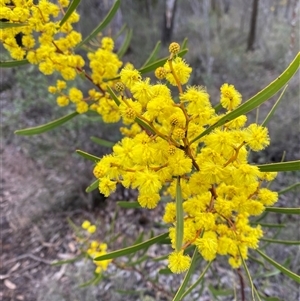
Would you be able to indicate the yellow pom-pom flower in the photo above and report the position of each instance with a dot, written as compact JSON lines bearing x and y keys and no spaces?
{"x":257,"y":137}
{"x":181,"y":69}
{"x":85,"y":225}
{"x":178,"y":262}
{"x":230,"y":97}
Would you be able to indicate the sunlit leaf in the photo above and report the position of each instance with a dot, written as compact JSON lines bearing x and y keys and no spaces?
{"x":257,"y":99}
{"x":93,"y":186}
{"x":280,"y":267}
{"x":132,"y":249}
{"x":88,"y":156}
{"x":102,"y":25}
{"x":69,"y":11}
{"x":102,"y":142}
{"x":11,"y":64}
{"x":280,"y":166}
{"x":46,"y":127}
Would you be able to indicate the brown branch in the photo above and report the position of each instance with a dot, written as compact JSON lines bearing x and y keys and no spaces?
{"x":242,"y":284}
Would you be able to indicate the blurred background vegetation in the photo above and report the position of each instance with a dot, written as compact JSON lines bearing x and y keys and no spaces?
{"x":222,"y":48}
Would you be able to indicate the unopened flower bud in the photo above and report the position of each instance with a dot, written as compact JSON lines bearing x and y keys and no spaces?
{"x":174,"y":48}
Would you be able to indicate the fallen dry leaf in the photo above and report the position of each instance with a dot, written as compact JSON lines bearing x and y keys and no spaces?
{"x":9,"y":284}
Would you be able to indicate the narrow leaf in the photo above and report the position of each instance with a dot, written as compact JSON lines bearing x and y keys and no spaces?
{"x":93,"y":186}
{"x":219,"y":292}
{"x":269,"y":225}
{"x":10,"y":64}
{"x":257,"y":99}
{"x":281,"y":268}
{"x":181,"y":290}
{"x":102,"y":142}
{"x":163,"y":257}
{"x":46,"y":127}
{"x":283,"y":242}
{"x":184,"y":44}
{"x":61,"y":262}
{"x":199,"y":280}
{"x":138,"y":120}
{"x":88,"y":156}
{"x":272,"y":111}
{"x":94,"y":280}
{"x":165,"y":271}
{"x":152,"y":56}
{"x":218,"y":107}
{"x":113,"y":96}
{"x":102,"y":25}
{"x":144,"y":125}
{"x":139,"y":239}
{"x":69,"y":11}
{"x":280,"y":166}
{"x":119,"y":32}
{"x":153,"y":65}
{"x":253,"y":289}
{"x":4,"y":25}
{"x":289,"y":188}
{"x":270,"y":298}
{"x":179,"y":217}
{"x":159,"y":63}
{"x":125,"y":44}
{"x":138,"y":261}
{"x":128,"y":205}
{"x":132,"y":249}
{"x":283,"y":210}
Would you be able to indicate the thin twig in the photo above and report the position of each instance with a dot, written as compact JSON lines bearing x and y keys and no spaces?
{"x":242,"y":284}
{"x":31,"y":256}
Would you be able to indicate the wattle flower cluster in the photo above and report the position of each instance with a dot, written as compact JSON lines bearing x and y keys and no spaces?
{"x":44,"y":41}
{"x":220,"y":189}
{"x":104,"y":64}
{"x":96,"y":248}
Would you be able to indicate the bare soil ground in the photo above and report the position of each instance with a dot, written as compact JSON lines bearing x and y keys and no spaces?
{"x":35,"y":233}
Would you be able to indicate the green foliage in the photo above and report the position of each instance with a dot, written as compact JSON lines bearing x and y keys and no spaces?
{"x":72,"y":7}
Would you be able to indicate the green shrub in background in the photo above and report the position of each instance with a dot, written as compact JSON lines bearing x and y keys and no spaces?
{"x":175,"y":144}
